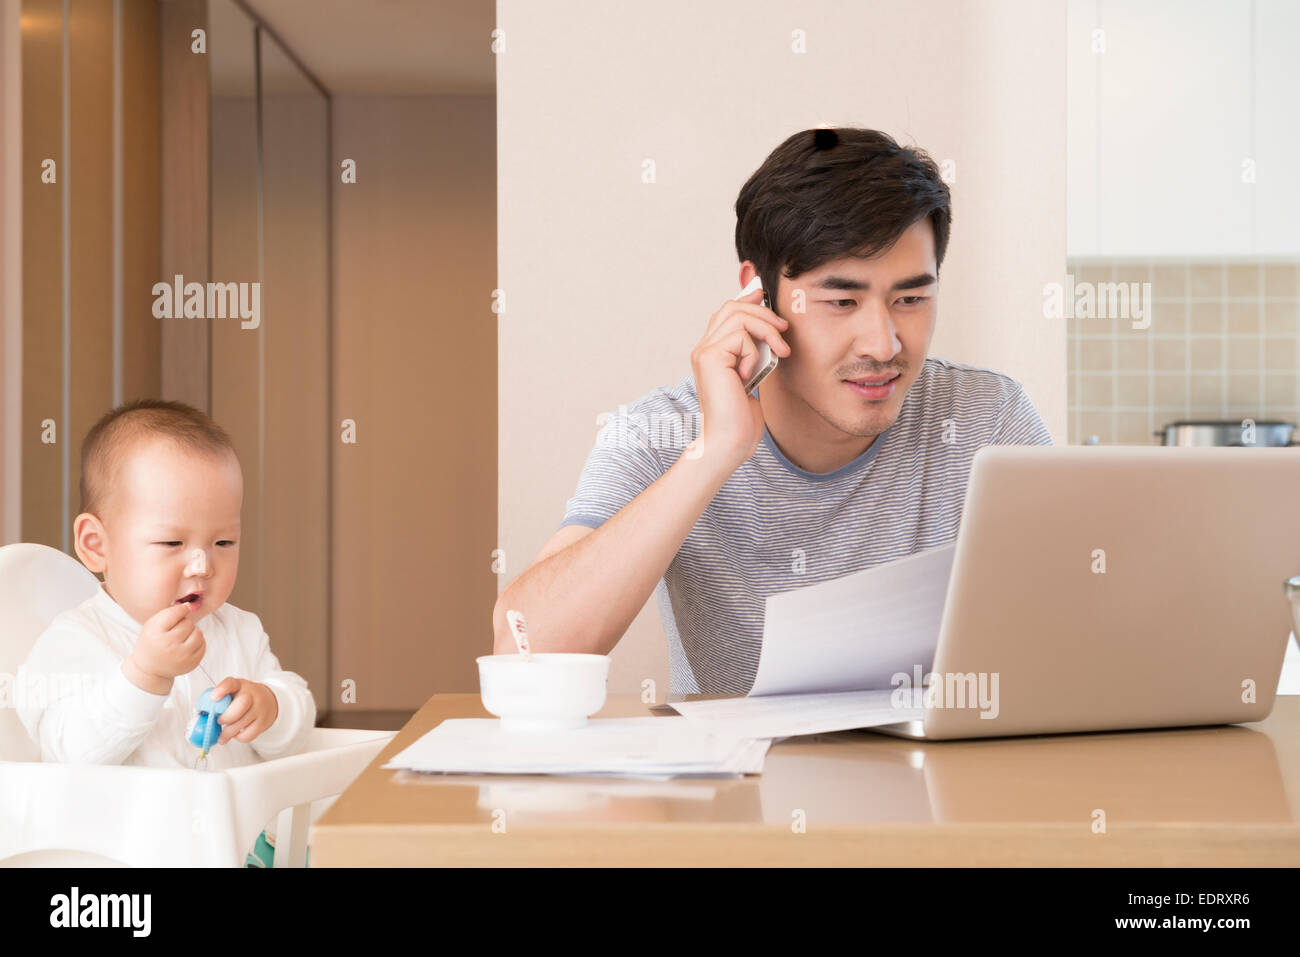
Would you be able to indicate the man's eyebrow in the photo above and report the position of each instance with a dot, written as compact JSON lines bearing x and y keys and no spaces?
{"x":847,"y":282}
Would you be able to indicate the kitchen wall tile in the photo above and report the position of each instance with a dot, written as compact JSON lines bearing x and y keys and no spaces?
{"x":1206,"y":318}
{"x":1132,"y":389}
{"x":1092,"y":274}
{"x":1098,"y":391}
{"x":1167,"y":319}
{"x":1169,"y":283}
{"x":1280,"y":318}
{"x":1281,"y":280}
{"x":1280,"y":354}
{"x":1170,"y":391}
{"x":1134,"y":274}
{"x":1131,"y":354}
{"x":1242,"y":354}
{"x":1097,"y":354}
{"x":1098,"y":424}
{"x":1279,"y":389}
{"x":1244,"y":390}
{"x":1240,"y":411}
{"x":1206,"y":390}
{"x":1244,"y":316}
{"x":1098,"y":326}
{"x":1169,"y":355}
{"x":1208,"y":412}
{"x":1281,"y":413}
{"x":1206,"y":355}
{"x":1244,"y":281}
{"x":1206,"y":281}
{"x":1223,"y":343}
{"x":1132,"y":429}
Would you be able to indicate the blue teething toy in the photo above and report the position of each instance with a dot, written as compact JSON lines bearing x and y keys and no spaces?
{"x":204,"y":731}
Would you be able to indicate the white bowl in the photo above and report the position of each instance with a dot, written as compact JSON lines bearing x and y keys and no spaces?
{"x":552,"y":692}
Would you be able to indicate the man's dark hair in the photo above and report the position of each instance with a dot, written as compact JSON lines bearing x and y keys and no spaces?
{"x":827,"y":193}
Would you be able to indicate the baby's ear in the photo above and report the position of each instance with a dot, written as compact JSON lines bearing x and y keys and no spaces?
{"x":89,"y":540}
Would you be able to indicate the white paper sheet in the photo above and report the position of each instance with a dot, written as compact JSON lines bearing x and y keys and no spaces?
{"x":642,"y":747}
{"x":780,"y":716}
{"x":855,"y":632}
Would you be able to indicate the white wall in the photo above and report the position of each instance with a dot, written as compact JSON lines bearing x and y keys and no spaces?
{"x":609,"y":281}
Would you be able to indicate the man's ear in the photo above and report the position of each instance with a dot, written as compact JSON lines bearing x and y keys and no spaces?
{"x":90,"y":541}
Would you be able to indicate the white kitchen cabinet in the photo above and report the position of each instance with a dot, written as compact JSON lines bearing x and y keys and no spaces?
{"x":1277,"y":127}
{"x":1162,"y":121}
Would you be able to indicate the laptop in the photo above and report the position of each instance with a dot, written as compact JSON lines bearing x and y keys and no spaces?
{"x":1102,"y":588}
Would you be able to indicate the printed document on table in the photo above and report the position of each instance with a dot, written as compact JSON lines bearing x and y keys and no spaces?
{"x":856,"y":632}
{"x":782,"y":716}
{"x":640,"y":747}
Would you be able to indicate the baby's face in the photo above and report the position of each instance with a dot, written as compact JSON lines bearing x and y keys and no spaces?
{"x":172,"y":530}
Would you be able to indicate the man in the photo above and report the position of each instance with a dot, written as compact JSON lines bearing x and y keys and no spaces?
{"x":855,"y":451}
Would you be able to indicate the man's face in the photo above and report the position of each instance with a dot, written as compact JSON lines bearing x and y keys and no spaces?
{"x":865,"y":320}
{"x":172,"y":530}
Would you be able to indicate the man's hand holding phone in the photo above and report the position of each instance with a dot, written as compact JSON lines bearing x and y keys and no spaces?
{"x":588,"y":585}
{"x":723,"y":361}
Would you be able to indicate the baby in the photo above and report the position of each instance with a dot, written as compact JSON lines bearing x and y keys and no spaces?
{"x":161,"y":490}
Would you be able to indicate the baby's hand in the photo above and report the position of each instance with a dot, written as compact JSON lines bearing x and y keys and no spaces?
{"x":252,"y":712}
{"x":170,"y":644}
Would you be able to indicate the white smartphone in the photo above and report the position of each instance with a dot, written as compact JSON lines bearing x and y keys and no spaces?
{"x":766,"y":361}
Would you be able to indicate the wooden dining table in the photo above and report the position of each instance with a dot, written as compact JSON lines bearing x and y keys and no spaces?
{"x":1212,"y":796}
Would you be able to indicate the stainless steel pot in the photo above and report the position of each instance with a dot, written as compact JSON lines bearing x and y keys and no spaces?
{"x":1234,"y":432}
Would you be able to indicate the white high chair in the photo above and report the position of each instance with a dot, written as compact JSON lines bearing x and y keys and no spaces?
{"x":112,"y":815}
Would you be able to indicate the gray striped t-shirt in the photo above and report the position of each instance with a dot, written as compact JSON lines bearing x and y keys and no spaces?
{"x":774,"y":527}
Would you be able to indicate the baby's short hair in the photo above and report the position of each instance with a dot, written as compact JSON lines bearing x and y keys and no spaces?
{"x":112,"y":437}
